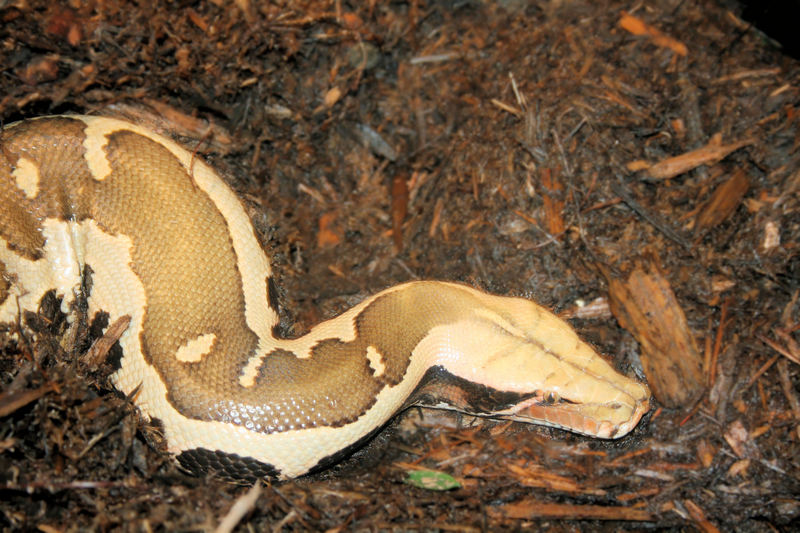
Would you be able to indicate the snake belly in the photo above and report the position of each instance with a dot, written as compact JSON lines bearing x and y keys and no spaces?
{"x":166,"y":242}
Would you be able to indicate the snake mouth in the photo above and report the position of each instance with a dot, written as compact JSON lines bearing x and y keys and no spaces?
{"x":605,"y":420}
{"x":608,"y":416}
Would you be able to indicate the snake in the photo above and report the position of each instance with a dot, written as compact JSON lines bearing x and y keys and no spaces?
{"x":127,"y":221}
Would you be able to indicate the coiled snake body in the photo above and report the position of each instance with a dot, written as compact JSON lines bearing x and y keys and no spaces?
{"x":166,"y":241}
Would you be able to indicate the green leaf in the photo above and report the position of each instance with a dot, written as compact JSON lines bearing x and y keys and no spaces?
{"x":430,"y":480}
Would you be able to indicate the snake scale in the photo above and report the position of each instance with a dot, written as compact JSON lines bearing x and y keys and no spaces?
{"x":164,"y":240}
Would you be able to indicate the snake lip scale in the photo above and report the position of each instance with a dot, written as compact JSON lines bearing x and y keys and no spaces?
{"x":167,"y":242}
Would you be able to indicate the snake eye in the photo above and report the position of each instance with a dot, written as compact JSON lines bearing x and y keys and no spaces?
{"x":552,"y":397}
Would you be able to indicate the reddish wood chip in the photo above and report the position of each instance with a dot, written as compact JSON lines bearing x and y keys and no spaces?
{"x":723,"y":202}
{"x":553,"y":190}
{"x":399,"y":208}
{"x":699,"y":517}
{"x":39,"y":70}
{"x":98,"y":351}
{"x":646,"y":306}
{"x":711,"y":153}
{"x":330,"y":230}
{"x":637,"y":26}
{"x":66,"y":24}
{"x":532,"y":509}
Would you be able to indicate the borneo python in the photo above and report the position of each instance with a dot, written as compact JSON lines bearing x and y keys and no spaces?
{"x":165,"y":240}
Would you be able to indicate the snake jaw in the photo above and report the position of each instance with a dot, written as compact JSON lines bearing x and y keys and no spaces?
{"x":516,"y":346}
{"x":601,"y":420}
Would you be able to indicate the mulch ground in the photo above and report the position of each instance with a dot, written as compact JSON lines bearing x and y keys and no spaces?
{"x":636,"y":171}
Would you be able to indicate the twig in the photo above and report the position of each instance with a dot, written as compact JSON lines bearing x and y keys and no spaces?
{"x":620,"y":190}
{"x":243,"y":505}
{"x":766,"y":366}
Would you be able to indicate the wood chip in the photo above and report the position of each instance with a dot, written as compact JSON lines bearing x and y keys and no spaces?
{"x":637,"y":26}
{"x":438,"y":208}
{"x":699,"y":517}
{"x":97,"y":352}
{"x":399,"y":209}
{"x":737,"y":438}
{"x":596,"y":309}
{"x":536,"y":476}
{"x":553,"y":200}
{"x":645,"y":305}
{"x":739,"y":468}
{"x":711,"y":153}
{"x":330,"y":230}
{"x":332,"y":96}
{"x":240,"y":508}
{"x":772,"y":237}
{"x":10,"y":402}
{"x":722,"y":203}
{"x":530,"y":509}
{"x":706,"y":452}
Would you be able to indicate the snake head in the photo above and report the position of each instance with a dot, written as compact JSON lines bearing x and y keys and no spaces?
{"x":514,"y":349}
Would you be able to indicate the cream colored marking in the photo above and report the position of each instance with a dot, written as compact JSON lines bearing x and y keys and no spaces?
{"x":375,"y":361}
{"x":343,"y":328}
{"x":301,"y":347}
{"x":292,"y":452}
{"x":59,"y":269}
{"x":26,"y":174}
{"x":95,"y":155}
{"x":250,"y":370}
{"x":117,"y":290}
{"x":194,"y":350}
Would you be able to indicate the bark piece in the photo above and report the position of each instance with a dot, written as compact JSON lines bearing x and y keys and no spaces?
{"x":645,"y":305}
{"x":723,"y":202}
